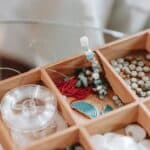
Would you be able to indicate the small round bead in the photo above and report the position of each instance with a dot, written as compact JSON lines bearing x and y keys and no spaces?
{"x":120,"y":60}
{"x":148,"y":93}
{"x":95,"y":76}
{"x":117,"y":70}
{"x":139,"y":69}
{"x":140,"y":63}
{"x":148,"y":56}
{"x":88,"y":72}
{"x":115,"y":97}
{"x":140,"y":82}
{"x":142,"y":94}
{"x":146,"y":69}
{"x":99,"y":87}
{"x":126,"y":64}
{"x":134,"y":85}
{"x":133,"y":79}
{"x":120,"y":66}
{"x":114,"y":62}
{"x":133,"y":73}
{"x":141,"y":74}
{"x":138,"y":90}
{"x":145,"y":78}
{"x":128,"y":82}
{"x":134,"y":62}
{"x":132,"y":67}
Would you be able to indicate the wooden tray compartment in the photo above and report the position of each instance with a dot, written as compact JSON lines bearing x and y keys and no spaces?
{"x":67,"y":68}
{"x":32,"y":77}
{"x":116,"y":122}
{"x":147,"y":104}
{"x":119,"y":49}
{"x":61,"y":141}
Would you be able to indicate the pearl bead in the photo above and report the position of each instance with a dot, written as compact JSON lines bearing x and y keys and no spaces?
{"x":95,"y":76}
{"x":133,"y":80}
{"x":146,"y":69}
{"x":138,"y":90}
{"x":117,"y":70}
{"x":120,"y":60}
{"x":133,"y":73}
{"x":115,"y":97}
{"x":126,"y":64}
{"x":139,"y":69}
{"x":145,"y":78}
{"x":88,"y":72}
{"x":141,"y":74}
{"x":140,"y":82}
{"x":148,"y":56}
{"x":134,"y":85}
{"x":140,"y":63}
{"x":114,"y":62}
{"x":134,"y":62}
{"x":132,"y":67}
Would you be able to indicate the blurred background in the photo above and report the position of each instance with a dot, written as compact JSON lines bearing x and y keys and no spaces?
{"x":36,"y":32}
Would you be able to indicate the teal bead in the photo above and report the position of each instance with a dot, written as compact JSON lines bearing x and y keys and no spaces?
{"x":107,"y":108}
{"x":85,"y":108}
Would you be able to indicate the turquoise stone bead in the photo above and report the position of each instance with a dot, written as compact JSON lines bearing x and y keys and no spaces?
{"x":107,"y":108}
{"x":85,"y":108}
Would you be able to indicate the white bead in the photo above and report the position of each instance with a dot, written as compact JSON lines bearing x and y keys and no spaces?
{"x":139,"y":69}
{"x":141,"y":82}
{"x":115,"y":97}
{"x":140,"y":63}
{"x":148,"y":56}
{"x":95,"y":76}
{"x":133,"y":79}
{"x":141,"y":74}
{"x":117,"y":70}
{"x":132,"y":67}
{"x":134,"y":85}
{"x":145,"y":78}
{"x":133,"y":73}
{"x":120,"y":60}
{"x":137,"y":132}
{"x":114,"y":62}
{"x":146,"y":69}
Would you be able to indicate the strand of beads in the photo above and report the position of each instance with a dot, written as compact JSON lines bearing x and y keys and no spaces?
{"x":100,"y":86}
{"x":135,"y":73}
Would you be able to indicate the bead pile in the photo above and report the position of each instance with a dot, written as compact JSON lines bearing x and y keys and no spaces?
{"x":134,"y":139}
{"x":134,"y":71}
{"x":95,"y":75}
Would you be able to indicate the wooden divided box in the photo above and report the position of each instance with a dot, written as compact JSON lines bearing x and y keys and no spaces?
{"x":80,"y":128}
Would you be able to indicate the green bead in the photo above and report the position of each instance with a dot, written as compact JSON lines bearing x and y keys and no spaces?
{"x":107,"y":108}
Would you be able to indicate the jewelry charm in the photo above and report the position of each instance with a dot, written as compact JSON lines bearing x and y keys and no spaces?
{"x":85,"y":108}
